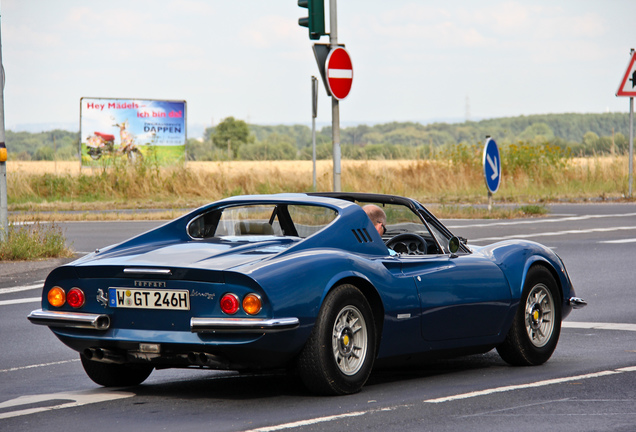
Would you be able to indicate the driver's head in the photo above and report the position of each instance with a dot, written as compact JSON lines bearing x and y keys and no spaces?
{"x":377,"y":216}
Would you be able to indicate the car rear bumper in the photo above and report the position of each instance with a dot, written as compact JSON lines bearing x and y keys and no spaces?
{"x":70,"y":319}
{"x":197,"y":325}
{"x":242,"y":325}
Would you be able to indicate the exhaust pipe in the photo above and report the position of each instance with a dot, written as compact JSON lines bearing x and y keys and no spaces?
{"x":208,"y":360}
{"x":104,"y":355}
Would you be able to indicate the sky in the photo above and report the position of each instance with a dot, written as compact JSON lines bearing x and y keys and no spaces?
{"x":417,"y":61}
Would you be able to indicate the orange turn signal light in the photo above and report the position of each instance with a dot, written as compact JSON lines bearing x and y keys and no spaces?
{"x":56,"y":296}
{"x":252,"y":304}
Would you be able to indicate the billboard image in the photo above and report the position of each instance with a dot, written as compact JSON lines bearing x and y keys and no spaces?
{"x":133,"y":129}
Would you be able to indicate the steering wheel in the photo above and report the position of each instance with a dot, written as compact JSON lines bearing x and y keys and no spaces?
{"x":408,"y":243}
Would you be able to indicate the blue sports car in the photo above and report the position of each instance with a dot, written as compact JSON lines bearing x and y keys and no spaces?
{"x":312,"y":283}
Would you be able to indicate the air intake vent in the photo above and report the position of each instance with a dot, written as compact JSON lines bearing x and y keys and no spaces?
{"x":362,"y":235}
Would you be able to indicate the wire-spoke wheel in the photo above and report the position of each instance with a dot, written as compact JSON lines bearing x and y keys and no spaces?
{"x":540,"y":315}
{"x":339,"y":354}
{"x":537,"y":324}
{"x":349,"y":340}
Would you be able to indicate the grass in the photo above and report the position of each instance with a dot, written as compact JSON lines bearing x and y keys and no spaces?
{"x":62,"y":191}
{"x":33,"y":242}
{"x":47,"y":191}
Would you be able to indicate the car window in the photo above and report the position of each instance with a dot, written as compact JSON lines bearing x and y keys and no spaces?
{"x":401,"y":219}
{"x":261,"y":220}
{"x":310,"y":219}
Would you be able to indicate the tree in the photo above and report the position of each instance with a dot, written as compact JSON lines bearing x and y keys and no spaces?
{"x":231,"y":134}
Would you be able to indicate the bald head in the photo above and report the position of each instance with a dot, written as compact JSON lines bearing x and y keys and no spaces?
{"x":377,"y":216}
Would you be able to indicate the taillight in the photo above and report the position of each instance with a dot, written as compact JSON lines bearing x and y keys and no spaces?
{"x":252,"y":304}
{"x":229,"y":303}
{"x":56,"y":296}
{"x":75,"y":298}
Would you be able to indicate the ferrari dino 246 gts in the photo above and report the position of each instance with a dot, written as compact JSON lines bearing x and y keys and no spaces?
{"x":304,"y":282}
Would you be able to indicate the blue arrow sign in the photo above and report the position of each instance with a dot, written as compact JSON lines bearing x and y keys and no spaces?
{"x":492,"y":165}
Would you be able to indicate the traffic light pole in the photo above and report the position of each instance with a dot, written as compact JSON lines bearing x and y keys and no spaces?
{"x":335,"y":105}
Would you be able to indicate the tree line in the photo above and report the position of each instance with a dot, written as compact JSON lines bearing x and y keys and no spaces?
{"x":579,"y":134}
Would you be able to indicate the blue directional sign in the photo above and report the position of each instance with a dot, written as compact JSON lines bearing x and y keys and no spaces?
{"x":492,"y":165}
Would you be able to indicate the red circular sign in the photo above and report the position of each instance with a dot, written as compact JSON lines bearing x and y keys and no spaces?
{"x":339,"y":73}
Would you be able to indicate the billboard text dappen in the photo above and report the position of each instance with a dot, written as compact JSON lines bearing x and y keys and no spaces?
{"x":132,"y":128}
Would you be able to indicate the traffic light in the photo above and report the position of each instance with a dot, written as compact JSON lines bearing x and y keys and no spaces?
{"x":316,"y":19}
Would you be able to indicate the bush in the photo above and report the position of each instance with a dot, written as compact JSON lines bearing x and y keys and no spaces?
{"x":29,"y":242}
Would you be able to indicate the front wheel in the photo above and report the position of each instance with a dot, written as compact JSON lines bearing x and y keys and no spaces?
{"x":537,"y":324}
{"x":340,"y":352}
{"x":115,"y":375}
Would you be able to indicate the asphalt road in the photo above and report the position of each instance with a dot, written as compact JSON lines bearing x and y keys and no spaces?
{"x":588,"y":384}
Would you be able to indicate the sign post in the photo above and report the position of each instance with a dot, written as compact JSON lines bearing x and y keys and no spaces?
{"x":492,"y":168}
{"x":314,"y":114}
{"x":335,"y":68}
{"x":628,"y":88}
{"x":335,"y":107}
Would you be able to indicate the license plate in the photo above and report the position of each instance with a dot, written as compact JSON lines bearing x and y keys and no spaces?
{"x":148,"y":298}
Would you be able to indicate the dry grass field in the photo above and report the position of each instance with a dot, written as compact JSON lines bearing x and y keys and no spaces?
{"x":36,"y":187}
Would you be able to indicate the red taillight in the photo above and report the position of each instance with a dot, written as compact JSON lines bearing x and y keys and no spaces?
{"x":75,"y":298}
{"x":230,"y":303}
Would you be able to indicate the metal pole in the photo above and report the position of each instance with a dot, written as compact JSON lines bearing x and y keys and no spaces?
{"x":4,"y":220}
{"x":314,"y":113}
{"x":631,"y":145}
{"x":335,"y":107}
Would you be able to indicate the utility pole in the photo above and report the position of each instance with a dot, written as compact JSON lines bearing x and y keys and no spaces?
{"x":335,"y":103}
{"x":4,"y":219}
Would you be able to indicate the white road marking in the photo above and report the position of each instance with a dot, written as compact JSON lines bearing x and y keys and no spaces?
{"x":523,"y":386}
{"x":20,"y":301}
{"x":540,"y":221}
{"x":19,"y":368}
{"x":554,"y":233}
{"x":308,"y":422}
{"x":599,"y":326}
{"x":21,"y":288}
{"x":75,"y":398}
{"x":451,"y":398}
{"x":633,"y":240}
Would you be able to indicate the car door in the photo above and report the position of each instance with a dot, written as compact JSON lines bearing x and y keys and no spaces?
{"x":461,"y":296}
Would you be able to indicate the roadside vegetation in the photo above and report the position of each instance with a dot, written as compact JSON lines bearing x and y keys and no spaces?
{"x":33,"y":242}
{"x":568,"y":157}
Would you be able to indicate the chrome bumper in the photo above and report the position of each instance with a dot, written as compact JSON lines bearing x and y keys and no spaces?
{"x":242,"y":325}
{"x":70,"y":319}
{"x":577,"y":303}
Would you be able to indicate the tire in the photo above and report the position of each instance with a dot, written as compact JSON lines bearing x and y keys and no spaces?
{"x":115,"y":375}
{"x":536,"y":327}
{"x":340,"y":352}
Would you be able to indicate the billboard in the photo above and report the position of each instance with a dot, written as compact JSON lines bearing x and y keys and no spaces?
{"x":133,"y":129}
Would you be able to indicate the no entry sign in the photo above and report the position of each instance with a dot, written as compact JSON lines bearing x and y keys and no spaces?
{"x":339,"y":73}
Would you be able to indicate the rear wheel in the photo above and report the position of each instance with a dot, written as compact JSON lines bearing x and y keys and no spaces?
{"x":537,"y":324}
{"x":115,"y":375}
{"x":340,"y":352}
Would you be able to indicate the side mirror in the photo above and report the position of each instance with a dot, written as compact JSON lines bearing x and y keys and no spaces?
{"x":453,"y":245}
